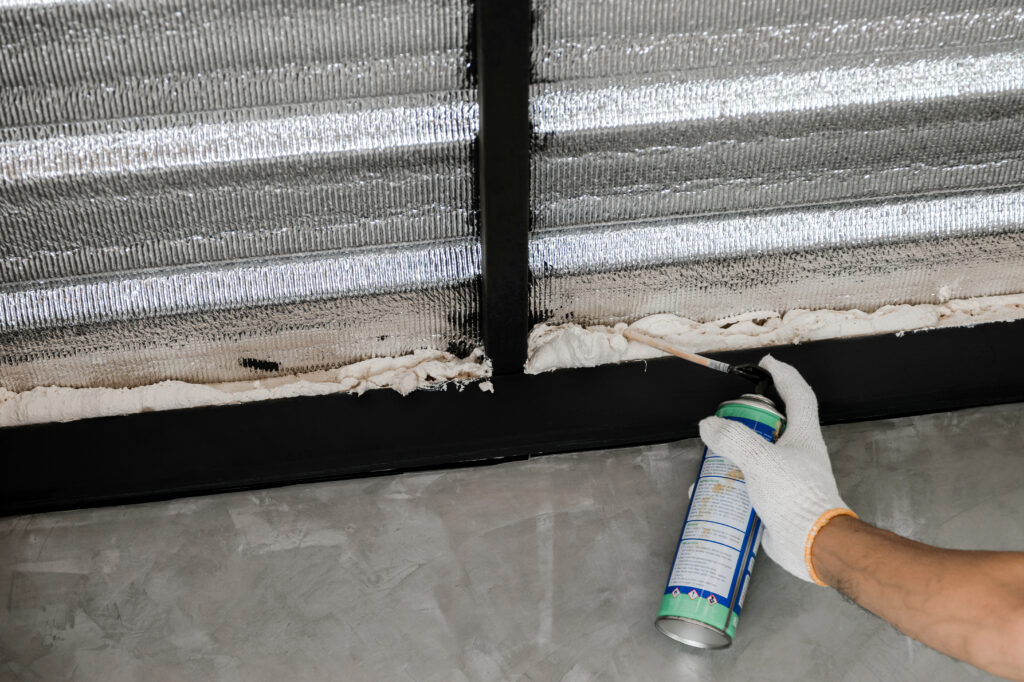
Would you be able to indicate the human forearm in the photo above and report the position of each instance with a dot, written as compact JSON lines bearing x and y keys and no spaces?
{"x":969,"y":605}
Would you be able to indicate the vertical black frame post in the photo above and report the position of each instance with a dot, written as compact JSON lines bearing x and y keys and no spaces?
{"x":502,"y":37}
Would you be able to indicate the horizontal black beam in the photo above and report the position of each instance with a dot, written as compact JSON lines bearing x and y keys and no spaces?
{"x":159,"y":455}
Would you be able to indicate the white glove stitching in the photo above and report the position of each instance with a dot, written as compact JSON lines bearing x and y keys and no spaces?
{"x":790,"y":482}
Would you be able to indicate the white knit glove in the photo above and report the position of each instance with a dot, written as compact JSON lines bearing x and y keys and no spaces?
{"x":790,"y":482}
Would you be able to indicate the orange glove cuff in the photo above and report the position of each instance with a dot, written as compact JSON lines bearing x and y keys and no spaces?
{"x":809,"y":543}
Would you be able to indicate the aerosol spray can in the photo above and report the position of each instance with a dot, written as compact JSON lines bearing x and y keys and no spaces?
{"x":715,"y":555}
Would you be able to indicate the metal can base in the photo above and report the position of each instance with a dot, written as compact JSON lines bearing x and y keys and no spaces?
{"x":693,"y":633}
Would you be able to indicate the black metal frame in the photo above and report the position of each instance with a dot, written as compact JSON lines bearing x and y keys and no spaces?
{"x":160,"y":455}
{"x":182,"y":452}
{"x":502,"y":37}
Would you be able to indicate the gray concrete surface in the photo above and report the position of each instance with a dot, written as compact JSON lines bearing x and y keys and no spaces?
{"x":544,"y":570}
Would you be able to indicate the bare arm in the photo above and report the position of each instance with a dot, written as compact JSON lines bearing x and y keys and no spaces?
{"x":969,"y":605}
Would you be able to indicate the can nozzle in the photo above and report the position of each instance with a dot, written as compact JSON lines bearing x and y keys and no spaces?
{"x":762,"y":380}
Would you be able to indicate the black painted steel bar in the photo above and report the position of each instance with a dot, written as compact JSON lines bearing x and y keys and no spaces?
{"x":502,"y":37}
{"x":158,"y":455}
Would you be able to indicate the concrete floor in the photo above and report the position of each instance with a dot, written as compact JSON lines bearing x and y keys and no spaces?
{"x":550,"y":569}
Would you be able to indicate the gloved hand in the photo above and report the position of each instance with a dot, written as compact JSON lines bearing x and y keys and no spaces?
{"x":790,"y":482}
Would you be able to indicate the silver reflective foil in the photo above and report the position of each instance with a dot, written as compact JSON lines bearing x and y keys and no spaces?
{"x":95,"y":61}
{"x":714,"y":158}
{"x":187,"y":184}
{"x":156,"y":293}
{"x":242,"y":321}
{"x":82,"y":204}
{"x":854,"y":256}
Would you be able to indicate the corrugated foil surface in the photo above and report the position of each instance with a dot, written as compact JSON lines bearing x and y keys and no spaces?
{"x":187,"y":187}
{"x":712,"y":158}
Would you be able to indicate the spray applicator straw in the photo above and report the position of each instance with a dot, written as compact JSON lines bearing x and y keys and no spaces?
{"x":758,"y":375}
{"x":678,"y":352}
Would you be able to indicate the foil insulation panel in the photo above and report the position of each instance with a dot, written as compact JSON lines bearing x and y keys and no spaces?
{"x":247,"y":320}
{"x":709,"y":159}
{"x":710,"y":267}
{"x":188,"y":184}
